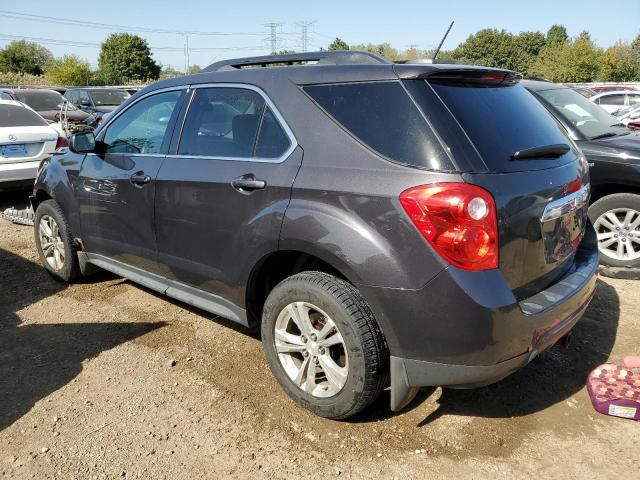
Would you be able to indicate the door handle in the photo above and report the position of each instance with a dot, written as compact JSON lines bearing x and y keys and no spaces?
{"x":248,"y":183}
{"x":140,"y":179}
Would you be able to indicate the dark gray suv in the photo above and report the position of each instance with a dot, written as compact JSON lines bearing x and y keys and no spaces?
{"x":385,"y":225}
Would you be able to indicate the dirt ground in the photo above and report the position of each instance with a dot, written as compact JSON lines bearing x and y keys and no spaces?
{"x":105,"y":379}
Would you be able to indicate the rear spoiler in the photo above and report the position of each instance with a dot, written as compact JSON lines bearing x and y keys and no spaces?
{"x":467,"y":75}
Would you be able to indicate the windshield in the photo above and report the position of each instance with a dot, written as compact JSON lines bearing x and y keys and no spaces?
{"x":108,"y":97}
{"x":41,"y":101}
{"x":591,"y":120}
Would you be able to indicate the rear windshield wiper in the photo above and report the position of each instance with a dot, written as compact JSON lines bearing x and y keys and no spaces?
{"x":548,"y":151}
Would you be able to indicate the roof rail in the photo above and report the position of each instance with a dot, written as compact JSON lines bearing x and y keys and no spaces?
{"x":335,"y":57}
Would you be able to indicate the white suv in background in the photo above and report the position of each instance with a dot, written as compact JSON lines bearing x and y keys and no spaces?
{"x":616,"y":100}
{"x":25,"y":139}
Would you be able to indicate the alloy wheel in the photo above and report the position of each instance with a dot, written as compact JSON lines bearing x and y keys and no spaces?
{"x":311,"y":349}
{"x":618,"y":233}
{"x":51,"y":242}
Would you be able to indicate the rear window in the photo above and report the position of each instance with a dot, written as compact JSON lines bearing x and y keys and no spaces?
{"x":15,"y":116}
{"x":383,"y":117}
{"x":501,"y":120}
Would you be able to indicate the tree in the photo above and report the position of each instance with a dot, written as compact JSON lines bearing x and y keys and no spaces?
{"x":68,"y":70}
{"x":527,"y":47}
{"x":338,"y":44}
{"x":557,"y":35}
{"x":488,"y":47}
{"x":169,"y":72}
{"x":24,"y":57}
{"x":620,"y":63}
{"x":577,"y":60}
{"x":125,"y":57}
{"x":195,"y":68}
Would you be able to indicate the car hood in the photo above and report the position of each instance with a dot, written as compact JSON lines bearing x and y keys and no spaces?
{"x":54,"y":115}
{"x":623,"y":148}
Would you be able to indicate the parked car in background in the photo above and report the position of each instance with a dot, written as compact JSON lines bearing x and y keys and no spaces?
{"x":25,"y":139}
{"x":617,"y":100}
{"x":613,"y":153}
{"x":96,"y":101}
{"x":612,"y":88}
{"x":48,"y":104}
{"x":585,"y":91}
{"x":5,"y":96}
{"x":410,"y":225}
{"x":630,"y":116}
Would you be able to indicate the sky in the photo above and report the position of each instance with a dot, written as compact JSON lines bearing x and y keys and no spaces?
{"x":403,"y":24}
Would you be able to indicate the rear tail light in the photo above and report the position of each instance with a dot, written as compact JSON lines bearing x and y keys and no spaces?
{"x":62,"y":142}
{"x":458,"y":220}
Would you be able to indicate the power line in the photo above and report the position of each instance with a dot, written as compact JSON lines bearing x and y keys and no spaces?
{"x":304,"y":39}
{"x":107,"y":26}
{"x":74,"y":43}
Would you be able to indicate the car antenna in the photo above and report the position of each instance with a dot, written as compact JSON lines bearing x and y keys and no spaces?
{"x":435,"y":54}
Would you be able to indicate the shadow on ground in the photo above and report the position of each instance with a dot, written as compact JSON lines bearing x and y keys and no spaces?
{"x":18,"y":198}
{"x":38,"y":359}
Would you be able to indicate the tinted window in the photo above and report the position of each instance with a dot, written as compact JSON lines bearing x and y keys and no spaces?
{"x":83,"y":98}
{"x":272,"y":140}
{"x":383,"y":117}
{"x":141,"y":128}
{"x":501,"y":120}
{"x":612,"y":100}
{"x":41,"y":101}
{"x":222,"y":122}
{"x":5,"y":96}
{"x":15,"y":116}
{"x":591,"y":120}
{"x":109,"y":97}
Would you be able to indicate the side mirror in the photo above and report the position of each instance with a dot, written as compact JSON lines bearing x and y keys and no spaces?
{"x":85,"y":103}
{"x":83,"y":142}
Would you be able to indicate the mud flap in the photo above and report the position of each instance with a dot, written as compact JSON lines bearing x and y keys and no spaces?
{"x":401,"y":392}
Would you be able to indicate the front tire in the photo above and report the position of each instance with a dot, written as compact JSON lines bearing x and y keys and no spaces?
{"x":58,"y":253}
{"x":323,"y":344}
{"x":616,"y":219}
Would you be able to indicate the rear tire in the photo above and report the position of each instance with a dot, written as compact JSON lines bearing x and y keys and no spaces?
{"x":616,"y":219}
{"x":58,"y":253}
{"x":341,"y":352}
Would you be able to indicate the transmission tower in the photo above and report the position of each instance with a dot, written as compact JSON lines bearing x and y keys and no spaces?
{"x":273,"y":35}
{"x":304,"y":35}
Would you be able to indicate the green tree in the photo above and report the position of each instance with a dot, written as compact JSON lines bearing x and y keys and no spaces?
{"x":169,"y":72}
{"x":620,"y":63}
{"x":556,"y":35}
{"x":489,"y":47}
{"x":195,"y":69}
{"x":24,"y":57}
{"x":125,"y":57}
{"x":338,"y":44}
{"x":527,"y":47}
{"x":576,"y":60}
{"x":68,"y":70}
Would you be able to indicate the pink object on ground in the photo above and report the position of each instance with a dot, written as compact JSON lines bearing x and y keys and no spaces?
{"x":615,"y":390}
{"x":632,"y":361}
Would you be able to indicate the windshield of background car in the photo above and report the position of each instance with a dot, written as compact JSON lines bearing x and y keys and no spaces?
{"x":41,"y":101}
{"x":109,"y":97}
{"x":591,"y":120}
{"x":15,"y":116}
{"x":627,"y":110}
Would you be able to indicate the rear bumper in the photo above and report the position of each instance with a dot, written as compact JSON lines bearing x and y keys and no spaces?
{"x":466,"y":329}
{"x":11,"y":172}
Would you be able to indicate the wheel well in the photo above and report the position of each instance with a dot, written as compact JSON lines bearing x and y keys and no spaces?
{"x":599,"y":191}
{"x":40,"y":197}
{"x":274,"y":268}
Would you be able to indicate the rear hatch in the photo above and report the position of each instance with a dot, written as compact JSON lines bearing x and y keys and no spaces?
{"x":514,"y":149}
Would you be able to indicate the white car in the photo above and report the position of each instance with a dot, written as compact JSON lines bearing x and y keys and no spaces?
{"x":616,"y":100}
{"x":25,"y":139}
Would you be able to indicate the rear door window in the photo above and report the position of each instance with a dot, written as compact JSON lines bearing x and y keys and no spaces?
{"x":501,"y":120}
{"x":617,"y":99}
{"x":382,"y":116}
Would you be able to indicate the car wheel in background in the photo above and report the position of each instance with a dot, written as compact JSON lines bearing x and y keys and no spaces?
{"x":616,"y":219}
{"x":56,"y":248}
{"x":323,"y":344}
